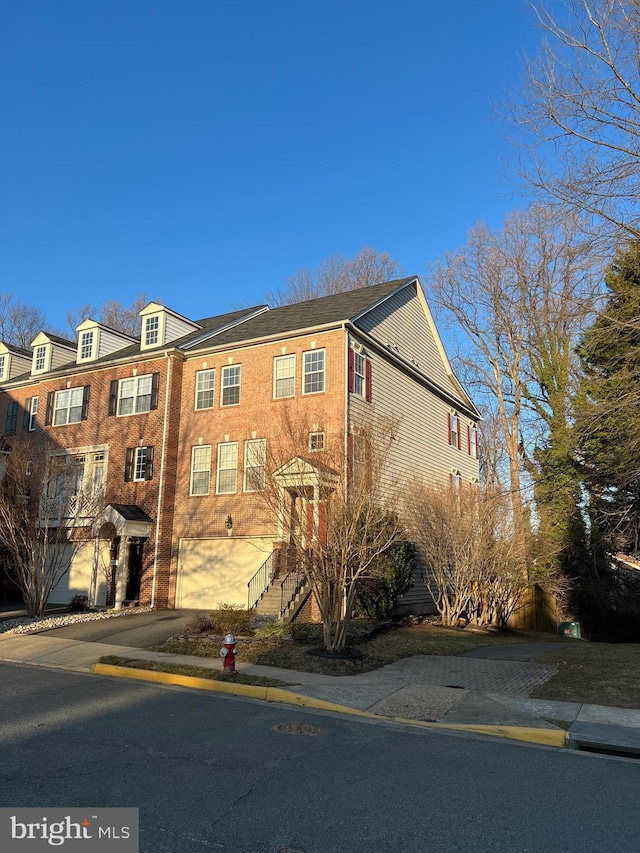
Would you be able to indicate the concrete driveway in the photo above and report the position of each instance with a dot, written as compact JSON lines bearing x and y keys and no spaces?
{"x":136,"y":630}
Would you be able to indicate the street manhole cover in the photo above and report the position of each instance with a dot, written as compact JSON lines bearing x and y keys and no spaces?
{"x":290,"y":850}
{"x":297,"y":729}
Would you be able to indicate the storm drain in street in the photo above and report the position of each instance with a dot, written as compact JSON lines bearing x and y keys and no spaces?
{"x":297,"y":729}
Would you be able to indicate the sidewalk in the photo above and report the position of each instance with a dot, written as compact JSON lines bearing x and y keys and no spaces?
{"x":489,"y":696}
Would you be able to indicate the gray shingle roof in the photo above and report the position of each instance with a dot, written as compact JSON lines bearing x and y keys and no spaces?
{"x":326,"y":310}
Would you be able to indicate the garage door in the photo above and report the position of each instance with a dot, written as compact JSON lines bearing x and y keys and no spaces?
{"x":216,"y":571}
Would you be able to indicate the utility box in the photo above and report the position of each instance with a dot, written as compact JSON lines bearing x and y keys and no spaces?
{"x":570,"y":629}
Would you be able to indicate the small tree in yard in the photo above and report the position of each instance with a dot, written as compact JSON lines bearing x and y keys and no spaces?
{"x":333,"y":508}
{"x":37,"y":548}
{"x":476,"y":569}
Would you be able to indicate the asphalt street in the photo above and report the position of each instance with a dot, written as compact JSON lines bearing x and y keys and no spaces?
{"x":210,"y":772}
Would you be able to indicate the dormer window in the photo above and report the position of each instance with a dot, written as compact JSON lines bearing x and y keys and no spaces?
{"x":151,"y":329}
{"x":86,"y":345}
{"x":3,"y":366}
{"x":40,"y":359}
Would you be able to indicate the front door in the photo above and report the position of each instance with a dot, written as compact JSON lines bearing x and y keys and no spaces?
{"x":134,"y":573}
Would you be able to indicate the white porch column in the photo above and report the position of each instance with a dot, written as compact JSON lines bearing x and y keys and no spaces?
{"x":281,"y":512}
{"x":316,"y":513}
{"x":123,"y":551}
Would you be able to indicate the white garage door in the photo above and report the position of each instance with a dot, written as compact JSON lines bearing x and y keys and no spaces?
{"x":216,"y":571}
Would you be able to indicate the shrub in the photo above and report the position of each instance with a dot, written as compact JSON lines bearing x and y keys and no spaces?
{"x":232,"y":619}
{"x":392,"y":577}
{"x":79,"y":603}
{"x":275,"y":629}
{"x":201,"y":623}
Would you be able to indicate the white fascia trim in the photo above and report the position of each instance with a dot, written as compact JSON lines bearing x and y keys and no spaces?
{"x":211,"y":333}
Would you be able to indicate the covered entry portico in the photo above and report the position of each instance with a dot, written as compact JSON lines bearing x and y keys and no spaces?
{"x":120,"y":532}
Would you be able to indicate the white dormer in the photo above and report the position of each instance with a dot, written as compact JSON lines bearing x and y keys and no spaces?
{"x":96,"y":340}
{"x":161,"y":325}
{"x":13,"y":362}
{"x":49,"y":352}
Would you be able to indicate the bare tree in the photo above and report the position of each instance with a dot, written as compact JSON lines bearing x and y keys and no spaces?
{"x":521,"y":295}
{"x":19,"y":321}
{"x":335,"y":513}
{"x":578,"y":109}
{"x":474,"y":560}
{"x":115,"y":315}
{"x":35,"y":543}
{"x":336,"y":275}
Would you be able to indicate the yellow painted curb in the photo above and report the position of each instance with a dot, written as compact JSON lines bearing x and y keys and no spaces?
{"x":546,"y":737}
{"x":270,"y":694}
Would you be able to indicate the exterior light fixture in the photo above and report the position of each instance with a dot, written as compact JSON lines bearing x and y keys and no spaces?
{"x":229,"y":525}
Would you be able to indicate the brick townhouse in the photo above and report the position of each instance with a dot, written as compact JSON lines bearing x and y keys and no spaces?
{"x":169,"y":435}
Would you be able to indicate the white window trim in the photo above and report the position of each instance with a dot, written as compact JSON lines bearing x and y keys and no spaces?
{"x":247,"y":467}
{"x":47,"y":358}
{"x":323,"y":442}
{"x":136,"y":395}
{"x":94,"y":342}
{"x":276,"y":360}
{"x":68,"y":407}
{"x":455,"y":420}
{"x":4,"y":361}
{"x":219,"y":468}
{"x":358,"y":356}
{"x":137,"y":456}
{"x":227,"y":368}
{"x":33,"y":414}
{"x":473,"y":440}
{"x":194,"y":453}
{"x":324,"y":370}
{"x":205,"y":390}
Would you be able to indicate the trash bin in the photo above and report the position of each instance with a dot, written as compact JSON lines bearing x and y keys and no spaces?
{"x":570,"y":629}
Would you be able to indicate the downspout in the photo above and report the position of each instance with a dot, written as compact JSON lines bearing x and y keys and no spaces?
{"x":346,"y":413}
{"x":161,"y":483}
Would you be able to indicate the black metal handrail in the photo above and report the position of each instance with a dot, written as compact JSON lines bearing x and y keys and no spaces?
{"x":291,"y":586}
{"x":259,"y":583}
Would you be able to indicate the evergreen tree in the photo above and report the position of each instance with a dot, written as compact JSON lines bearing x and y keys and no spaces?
{"x":608,"y":407}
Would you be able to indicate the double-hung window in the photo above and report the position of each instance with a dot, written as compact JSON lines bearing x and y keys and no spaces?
{"x":3,"y":365}
{"x":134,"y":395}
{"x":227,"y":478}
{"x":473,"y":442}
{"x":284,"y":376}
{"x":151,"y":331}
{"x":316,"y":441}
{"x":86,"y":345}
{"x":30,"y":414}
{"x":200,"y":469}
{"x":313,"y":372}
{"x":41,"y":358}
{"x":139,"y":464}
{"x":205,"y":382}
{"x":255,"y":454}
{"x":68,"y":405}
{"x":454,"y":430}
{"x":231,"y":385}
{"x":359,"y":374}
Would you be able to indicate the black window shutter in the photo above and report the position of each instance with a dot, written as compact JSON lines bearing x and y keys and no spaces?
{"x":128,"y":466}
{"x":351,"y":370}
{"x":49,"y":411}
{"x":155,"y":385}
{"x":12,"y":418}
{"x":26,"y":415}
{"x":148,"y":469}
{"x":113,"y":397}
{"x":85,"y":402}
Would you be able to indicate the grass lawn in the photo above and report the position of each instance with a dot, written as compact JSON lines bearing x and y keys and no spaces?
{"x":194,"y":671}
{"x":377,"y":649}
{"x":594,"y":673}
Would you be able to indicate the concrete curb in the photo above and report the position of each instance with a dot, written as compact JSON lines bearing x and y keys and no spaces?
{"x":545,"y":737}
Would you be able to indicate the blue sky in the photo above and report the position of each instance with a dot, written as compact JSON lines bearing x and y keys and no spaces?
{"x":203,"y":151}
